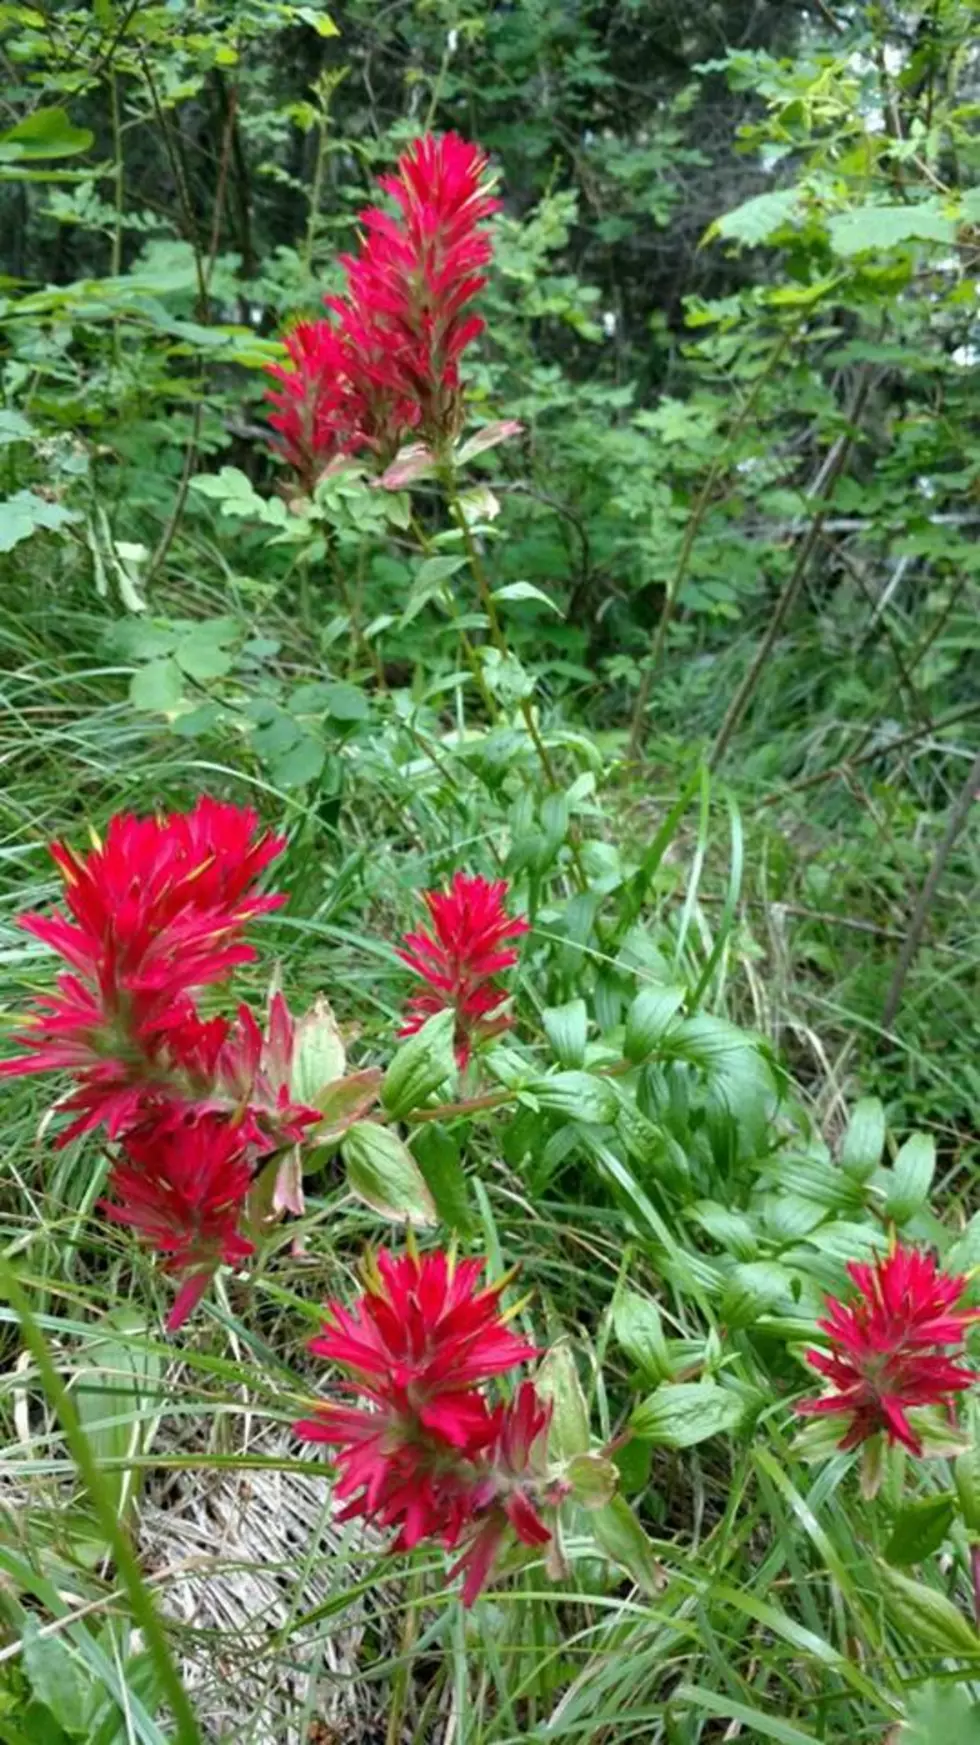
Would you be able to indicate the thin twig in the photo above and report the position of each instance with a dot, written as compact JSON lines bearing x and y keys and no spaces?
{"x":844,"y":768}
{"x":957,"y":818}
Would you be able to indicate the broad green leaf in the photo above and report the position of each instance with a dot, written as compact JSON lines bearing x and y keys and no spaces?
{"x":567,"y":1029}
{"x":56,"y":1678}
{"x":48,"y":133}
{"x":14,"y":427}
{"x":966,"y":1470}
{"x":866,"y":228}
{"x":526,"y":591}
{"x":557,"y":1380}
{"x":202,"y":659}
{"x":593,"y":1479}
{"x":382,"y":1172}
{"x":649,"y":1018}
{"x":920,"y":1528}
{"x":752,"y":1289}
{"x":619,"y":1534}
{"x":864,"y":1140}
{"x":639,"y":1330}
{"x":578,"y":1095}
{"x":911,"y":1177}
{"x":345,"y":703}
{"x":436,"y":1151}
{"x":114,"y":1383}
{"x":681,"y":1414}
{"x":421,"y":1064}
{"x":730,"y":1229}
{"x":319,"y":1056}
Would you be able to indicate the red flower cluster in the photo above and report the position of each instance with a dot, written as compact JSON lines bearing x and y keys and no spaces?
{"x":429,"y":1454}
{"x":154,"y":914}
{"x":462,"y":958}
{"x":886,"y":1345}
{"x":387,"y":366}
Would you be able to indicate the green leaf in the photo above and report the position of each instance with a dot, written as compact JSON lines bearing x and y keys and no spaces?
{"x":14,"y":427}
{"x":752,"y":1289}
{"x":966,"y":1470}
{"x":649,"y":1018}
{"x":55,"y":1677}
{"x":526,"y":591}
{"x":202,"y":659}
{"x":730,"y":1229}
{"x":619,"y":1534}
{"x":113,"y":1379}
{"x":436,"y":1151}
{"x":48,"y":133}
{"x":345,"y":703}
{"x":422,"y":1063}
{"x":864,"y":1140}
{"x":681,"y":1414}
{"x":382,"y":1172}
{"x":926,"y":1617}
{"x":866,"y":228}
{"x":557,"y":1380}
{"x":911,"y":1177}
{"x":941,"y":1714}
{"x":157,"y":687}
{"x":567,"y":1029}
{"x":26,"y":513}
{"x":760,"y":217}
{"x":639,"y":1330}
{"x":920,"y":1528}
{"x":301,"y":763}
{"x":577,"y":1095}
{"x":319,"y":1056}
{"x":593,"y":1479}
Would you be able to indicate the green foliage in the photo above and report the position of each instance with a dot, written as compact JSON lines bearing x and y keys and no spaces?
{"x":706,"y":697}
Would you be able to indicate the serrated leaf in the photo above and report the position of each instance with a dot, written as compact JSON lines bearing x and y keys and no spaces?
{"x":681,"y":1414}
{"x":759,"y":217}
{"x":382,"y":1172}
{"x":864,"y":1140}
{"x":567,"y":1029}
{"x":920,"y":1528}
{"x":866,"y":228}
{"x":911,"y":1177}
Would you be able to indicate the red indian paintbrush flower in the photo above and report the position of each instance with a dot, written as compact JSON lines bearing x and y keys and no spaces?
{"x":886,"y":1347}
{"x":462,"y":957}
{"x":507,"y":1493}
{"x":154,"y":912}
{"x":387,"y":367}
{"x":182,"y":1187}
{"x":428,"y":1454}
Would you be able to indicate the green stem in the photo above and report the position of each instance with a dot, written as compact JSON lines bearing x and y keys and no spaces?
{"x":127,"y":1566}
